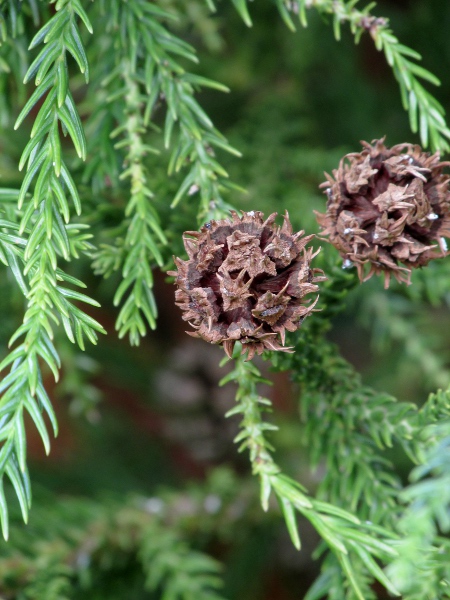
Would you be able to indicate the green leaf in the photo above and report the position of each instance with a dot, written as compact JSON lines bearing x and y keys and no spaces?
{"x":45,"y":114}
{"x":69,"y":116}
{"x":77,"y":296}
{"x":62,"y":276}
{"x":20,"y":439}
{"x":186,"y":184}
{"x":347,"y":567}
{"x":36,"y":238}
{"x":42,"y":62}
{"x":374,"y":569}
{"x":20,"y":487}
{"x":287,"y":488}
{"x":330,"y":536}
{"x":413,"y":111}
{"x":285,"y":15}
{"x":57,"y":22}
{"x":71,"y":187}
{"x":37,"y":162}
{"x":408,"y":51}
{"x":5,"y":454}
{"x":337,"y":27}
{"x":53,"y":363}
{"x":189,"y":101}
{"x":241,"y":7}
{"x":4,"y":520}
{"x":198,"y":80}
{"x":8,"y":195}
{"x":10,"y":358}
{"x":75,"y":46}
{"x":87,"y":320}
{"x":423,"y":128}
{"x":32,"y":372}
{"x":302,"y":13}
{"x":34,"y":98}
{"x":16,"y":269}
{"x":47,"y":406}
{"x":423,"y":73}
{"x":291,"y":521}
{"x":33,"y":146}
{"x":77,"y":7}
{"x":330,"y":509}
{"x":9,"y":380}
{"x":61,"y":198}
{"x":42,"y":185}
{"x":61,"y":82}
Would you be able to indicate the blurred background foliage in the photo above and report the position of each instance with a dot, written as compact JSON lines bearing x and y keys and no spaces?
{"x":143,"y":442}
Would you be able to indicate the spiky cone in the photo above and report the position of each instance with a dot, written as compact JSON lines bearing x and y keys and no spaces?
{"x":246,"y":280}
{"x":388,"y":210}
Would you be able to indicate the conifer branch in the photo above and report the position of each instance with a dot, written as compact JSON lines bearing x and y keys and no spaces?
{"x":153,"y":532}
{"x":138,"y":246}
{"x":147,"y":74}
{"x":426,"y":113}
{"x":177,"y":569}
{"x":341,"y":531}
{"x":422,"y":566}
{"x":348,"y":426}
{"x":143,"y":232}
{"x":43,"y":236}
{"x":393,"y":319}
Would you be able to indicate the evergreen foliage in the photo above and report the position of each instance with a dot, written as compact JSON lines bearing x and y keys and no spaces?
{"x":70,"y":557}
{"x":109,"y":155}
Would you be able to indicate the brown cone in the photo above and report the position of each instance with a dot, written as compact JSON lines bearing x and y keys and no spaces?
{"x":246,"y":280}
{"x":388,"y":210}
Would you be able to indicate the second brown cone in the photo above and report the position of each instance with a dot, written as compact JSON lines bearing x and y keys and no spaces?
{"x":388,"y":210}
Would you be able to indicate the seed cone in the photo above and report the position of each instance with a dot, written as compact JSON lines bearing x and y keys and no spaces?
{"x":246,"y":280}
{"x":388,"y":210}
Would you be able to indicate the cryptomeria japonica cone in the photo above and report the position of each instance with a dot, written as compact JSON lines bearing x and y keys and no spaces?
{"x":246,"y":280}
{"x":388,"y":210}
